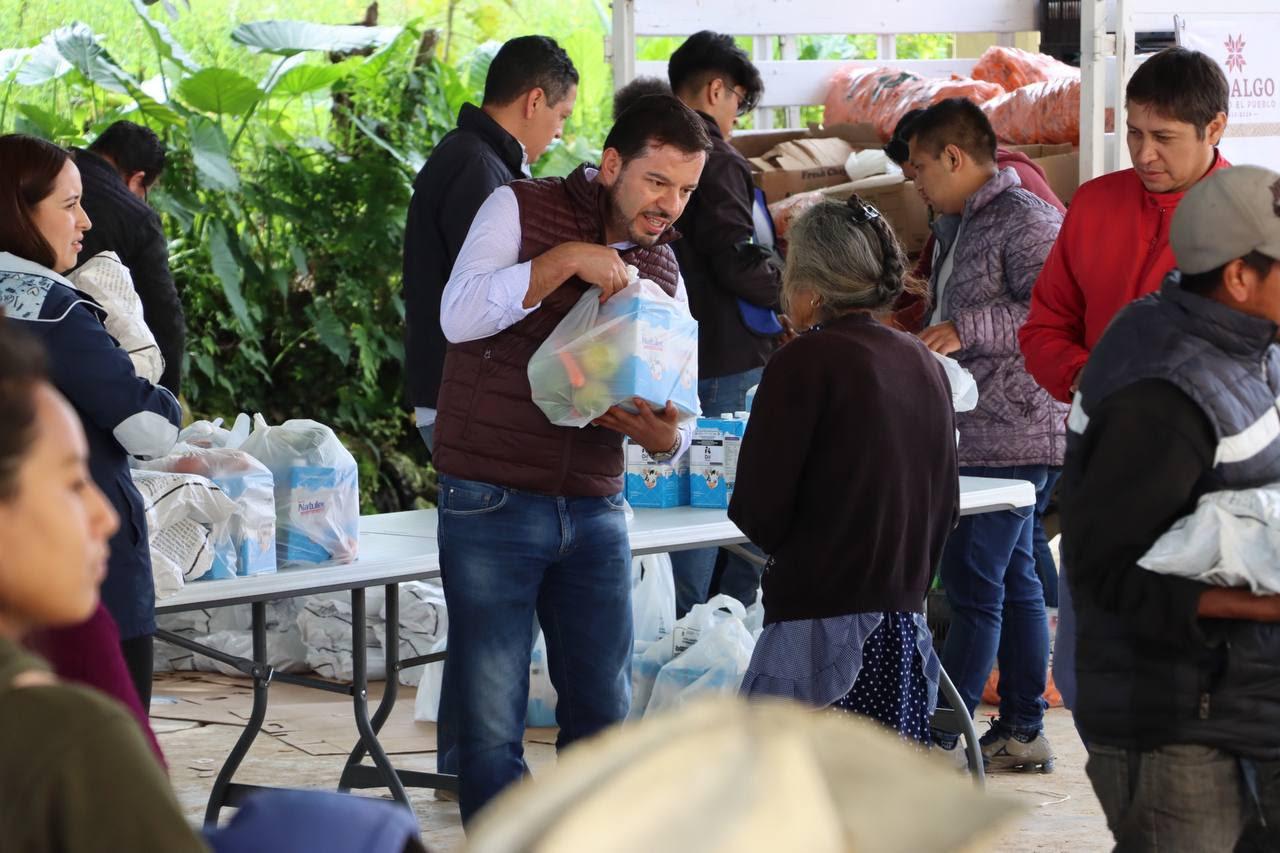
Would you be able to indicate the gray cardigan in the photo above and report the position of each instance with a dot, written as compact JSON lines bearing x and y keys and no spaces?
{"x":1001,"y":241}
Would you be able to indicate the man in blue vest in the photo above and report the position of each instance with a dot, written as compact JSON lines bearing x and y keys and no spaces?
{"x":1179,"y":681}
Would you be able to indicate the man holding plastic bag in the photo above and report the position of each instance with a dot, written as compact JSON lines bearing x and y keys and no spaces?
{"x":531,"y":514}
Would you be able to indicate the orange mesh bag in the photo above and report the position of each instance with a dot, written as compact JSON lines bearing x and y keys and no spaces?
{"x":881,"y":96}
{"x":1012,"y":68}
{"x":1046,"y":113}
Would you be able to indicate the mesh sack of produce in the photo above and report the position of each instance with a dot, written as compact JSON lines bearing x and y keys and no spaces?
{"x":1012,"y":68}
{"x":1045,"y":113}
{"x":882,"y":96}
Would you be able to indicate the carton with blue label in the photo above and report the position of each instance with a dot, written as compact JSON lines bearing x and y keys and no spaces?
{"x":655,"y":485}
{"x":713,"y":461}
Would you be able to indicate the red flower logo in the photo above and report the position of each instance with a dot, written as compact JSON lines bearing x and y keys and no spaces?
{"x":1235,"y":53}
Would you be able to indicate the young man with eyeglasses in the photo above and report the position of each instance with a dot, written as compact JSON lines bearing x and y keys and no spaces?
{"x":992,"y":239}
{"x":733,"y":281}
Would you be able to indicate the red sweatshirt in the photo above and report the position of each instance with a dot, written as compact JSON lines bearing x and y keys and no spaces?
{"x":1113,"y":248}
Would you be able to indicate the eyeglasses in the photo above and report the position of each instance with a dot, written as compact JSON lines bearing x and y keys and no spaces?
{"x":862,"y":212}
{"x":743,"y":106}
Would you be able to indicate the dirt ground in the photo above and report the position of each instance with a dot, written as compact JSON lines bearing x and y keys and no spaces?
{"x":308,"y":733}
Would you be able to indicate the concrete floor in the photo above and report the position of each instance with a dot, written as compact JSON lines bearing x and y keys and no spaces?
{"x":1062,"y":811}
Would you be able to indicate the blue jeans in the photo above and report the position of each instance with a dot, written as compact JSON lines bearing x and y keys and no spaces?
{"x":997,"y":607}
{"x":506,"y":556}
{"x":446,"y":728}
{"x":1046,"y":568}
{"x":694,"y":569}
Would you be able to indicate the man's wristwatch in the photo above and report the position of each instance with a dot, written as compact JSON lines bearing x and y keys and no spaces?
{"x":668,"y":455}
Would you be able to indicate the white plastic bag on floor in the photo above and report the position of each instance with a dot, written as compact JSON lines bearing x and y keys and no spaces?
{"x":325,"y":623}
{"x":317,"y":491}
{"x":713,"y":664}
{"x":541,"y":711}
{"x":423,"y":621}
{"x":653,"y":600}
{"x":426,"y":705}
{"x":641,"y":343}
{"x":648,"y":659}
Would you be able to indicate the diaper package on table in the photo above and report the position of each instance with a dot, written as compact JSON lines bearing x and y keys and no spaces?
{"x":655,"y":485}
{"x":188,"y":520}
{"x":251,"y":546}
{"x":713,"y":460}
{"x":641,"y":343}
{"x":317,"y":491}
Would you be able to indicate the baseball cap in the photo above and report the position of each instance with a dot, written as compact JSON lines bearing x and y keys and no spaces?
{"x":1226,"y":216}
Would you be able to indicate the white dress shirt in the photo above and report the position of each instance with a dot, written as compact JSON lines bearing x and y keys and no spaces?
{"x":485,"y":293}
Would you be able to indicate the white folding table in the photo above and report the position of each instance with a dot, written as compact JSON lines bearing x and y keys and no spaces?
{"x":399,"y":547}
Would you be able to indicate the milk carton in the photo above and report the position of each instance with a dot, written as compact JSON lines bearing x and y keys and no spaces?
{"x":713,"y":460}
{"x":656,"y":485}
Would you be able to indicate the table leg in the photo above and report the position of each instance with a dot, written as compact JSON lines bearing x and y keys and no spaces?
{"x":390,"y":690}
{"x":360,"y":696}
{"x":224,"y":792}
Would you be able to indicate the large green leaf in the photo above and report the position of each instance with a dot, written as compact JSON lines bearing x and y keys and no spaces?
{"x":44,"y":63}
{"x":212,"y":156}
{"x":46,"y":124}
{"x":308,"y":78}
{"x":219,"y":90}
{"x":156,"y":111}
{"x":165,"y":44}
{"x":11,"y":59}
{"x":476,"y":64}
{"x":332,"y":331}
{"x":228,"y":272}
{"x":78,"y":44}
{"x":285,"y":38}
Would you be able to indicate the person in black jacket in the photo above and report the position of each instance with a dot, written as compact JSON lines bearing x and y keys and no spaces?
{"x":118,"y":170}
{"x":733,"y":281}
{"x":1179,"y":678}
{"x":529,"y":93}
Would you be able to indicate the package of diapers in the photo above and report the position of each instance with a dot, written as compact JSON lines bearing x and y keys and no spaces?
{"x":251,"y":546}
{"x":641,"y":343}
{"x":316,"y":489}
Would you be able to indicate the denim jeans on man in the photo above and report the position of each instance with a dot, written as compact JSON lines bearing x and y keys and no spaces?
{"x":694,"y":569}
{"x":446,"y":728}
{"x":1046,"y":568}
{"x":997,"y":607}
{"x":506,"y":556}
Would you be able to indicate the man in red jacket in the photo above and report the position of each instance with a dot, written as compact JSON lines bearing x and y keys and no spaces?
{"x":1114,"y":242}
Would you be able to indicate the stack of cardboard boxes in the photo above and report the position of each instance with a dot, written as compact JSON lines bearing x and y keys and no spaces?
{"x":787,"y":162}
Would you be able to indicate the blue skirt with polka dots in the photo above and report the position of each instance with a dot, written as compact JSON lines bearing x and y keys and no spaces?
{"x":881,"y":665}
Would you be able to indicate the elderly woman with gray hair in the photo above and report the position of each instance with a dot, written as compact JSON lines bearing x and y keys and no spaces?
{"x":848,"y":480}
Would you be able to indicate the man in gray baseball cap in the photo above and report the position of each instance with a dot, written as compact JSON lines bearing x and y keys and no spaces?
{"x":1179,"y":680}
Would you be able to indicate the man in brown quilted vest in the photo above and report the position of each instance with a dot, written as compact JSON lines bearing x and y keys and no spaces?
{"x":531,"y":515}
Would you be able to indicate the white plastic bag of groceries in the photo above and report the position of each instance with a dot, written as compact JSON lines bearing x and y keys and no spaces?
{"x":244,"y":480}
{"x":188,"y":520}
{"x":540,"y":712}
{"x":653,"y":599}
{"x":714,"y":664}
{"x":641,"y":343}
{"x":964,"y":389}
{"x":317,"y":491}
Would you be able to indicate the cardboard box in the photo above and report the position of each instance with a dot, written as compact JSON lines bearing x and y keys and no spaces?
{"x":1060,"y":163}
{"x":786,"y":162}
{"x":897,"y":202}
